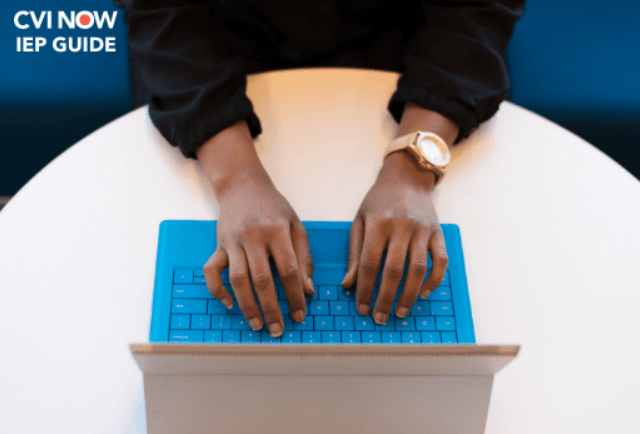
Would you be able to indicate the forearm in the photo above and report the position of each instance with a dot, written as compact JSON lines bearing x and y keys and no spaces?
{"x":229,"y":159}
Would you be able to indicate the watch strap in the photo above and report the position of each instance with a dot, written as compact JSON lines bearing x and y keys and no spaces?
{"x":406,"y":142}
{"x":401,"y":143}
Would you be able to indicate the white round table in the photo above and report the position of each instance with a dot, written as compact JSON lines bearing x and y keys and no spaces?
{"x":549,"y":227}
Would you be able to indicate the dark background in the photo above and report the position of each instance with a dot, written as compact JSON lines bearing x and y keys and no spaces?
{"x":576,"y":62}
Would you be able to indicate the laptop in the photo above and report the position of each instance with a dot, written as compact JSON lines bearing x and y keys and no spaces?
{"x":337,"y":371}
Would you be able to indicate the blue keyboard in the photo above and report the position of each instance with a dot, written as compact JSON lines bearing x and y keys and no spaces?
{"x":190,"y":314}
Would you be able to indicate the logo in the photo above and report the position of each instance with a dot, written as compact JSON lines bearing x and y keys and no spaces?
{"x":73,"y":20}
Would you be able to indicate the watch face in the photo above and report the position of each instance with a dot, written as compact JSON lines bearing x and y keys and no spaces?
{"x":433,"y":152}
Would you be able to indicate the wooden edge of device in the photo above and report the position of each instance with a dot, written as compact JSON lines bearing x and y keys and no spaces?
{"x":297,"y":350}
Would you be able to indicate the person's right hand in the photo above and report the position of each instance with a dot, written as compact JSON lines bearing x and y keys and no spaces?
{"x":255,"y":223}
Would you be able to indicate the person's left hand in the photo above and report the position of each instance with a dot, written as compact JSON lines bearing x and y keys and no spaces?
{"x":397,"y":214}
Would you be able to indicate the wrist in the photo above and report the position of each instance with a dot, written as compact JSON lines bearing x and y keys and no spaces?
{"x":415,"y":118}
{"x":230,"y":161}
{"x":401,"y":167}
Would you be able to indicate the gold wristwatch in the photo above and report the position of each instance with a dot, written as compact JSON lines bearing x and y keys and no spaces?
{"x":429,"y":150}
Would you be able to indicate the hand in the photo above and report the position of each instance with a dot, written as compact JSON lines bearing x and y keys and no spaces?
{"x":398,"y":215}
{"x":255,"y":223}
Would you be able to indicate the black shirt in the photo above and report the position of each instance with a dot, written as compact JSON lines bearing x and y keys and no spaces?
{"x":190,"y":58}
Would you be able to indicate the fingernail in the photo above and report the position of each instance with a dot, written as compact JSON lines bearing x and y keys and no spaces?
{"x":228,"y":303}
{"x":313,"y":288}
{"x":380,"y":318}
{"x":275,"y":329}
{"x":363,"y":309}
{"x":402,"y":311}
{"x":255,"y":324}
{"x":426,"y":294}
{"x":298,"y":315}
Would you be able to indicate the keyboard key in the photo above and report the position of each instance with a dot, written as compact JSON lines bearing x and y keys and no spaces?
{"x":214,"y":336}
{"x":331,"y":337}
{"x":191,"y":291}
{"x":344,"y":323}
{"x":199,"y":280}
{"x":221,"y":322}
{"x":441,"y":308}
{"x":352,"y":308}
{"x":391,"y":338}
{"x":281,"y":293}
{"x":239,"y":322}
{"x":201,"y":322}
{"x":425,"y":323}
{"x":370,"y":337}
{"x":318,"y":308}
{"x":291,"y":337}
{"x":288,"y":322}
{"x":180,"y":322}
{"x":186,"y":305}
{"x":410,"y":338}
{"x":449,"y":338}
{"x":235,"y":310}
{"x":323,"y":323}
{"x":250,"y":337}
{"x":231,"y":336}
{"x":305,"y":324}
{"x":185,"y":336}
{"x":268,"y":339}
{"x":430,"y":337}
{"x":420,"y":308}
{"x":217,"y":308}
{"x":346,"y":294}
{"x":311,"y":337}
{"x":225,"y":277}
{"x":327,"y":292}
{"x":364,"y":323}
{"x":313,"y":296}
{"x":388,"y":327}
{"x":284,"y":306}
{"x":183,"y":276}
{"x":198,"y":272}
{"x":405,"y":324}
{"x":339,"y":307}
{"x":445,"y":323}
{"x":446,"y":281}
{"x":441,"y":293}
{"x":351,"y":338}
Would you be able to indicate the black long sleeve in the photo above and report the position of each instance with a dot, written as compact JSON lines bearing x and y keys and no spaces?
{"x":456,"y":66}
{"x":192,"y":57}
{"x":197,"y":87}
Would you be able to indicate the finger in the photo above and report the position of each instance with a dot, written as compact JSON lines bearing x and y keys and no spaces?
{"x":241,"y":284}
{"x":212,"y":275}
{"x":375,"y":241}
{"x":264,"y":287}
{"x":415,"y":273}
{"x":287,"y":264}
{"x":440,"y":260}
{"x":302,"y":250}
{"x":356,"y":239}
{"x":391,"y":275}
